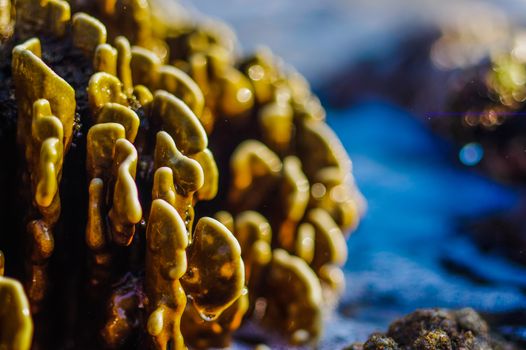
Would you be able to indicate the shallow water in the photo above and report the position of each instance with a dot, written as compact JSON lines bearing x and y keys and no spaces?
{"x":399,"y":257}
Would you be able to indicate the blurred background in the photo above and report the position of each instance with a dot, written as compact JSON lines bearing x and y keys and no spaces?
{"x":428,"y":97}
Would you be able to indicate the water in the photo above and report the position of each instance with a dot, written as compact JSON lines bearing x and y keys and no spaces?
{"x":416,"y":195}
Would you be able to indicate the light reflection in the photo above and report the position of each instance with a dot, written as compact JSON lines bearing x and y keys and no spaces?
{"x":256,"y":72}
{"x":469,"y":35}
{"x":318,"y":190}
{"x":244,"y":95}
{"x":471,"y":154}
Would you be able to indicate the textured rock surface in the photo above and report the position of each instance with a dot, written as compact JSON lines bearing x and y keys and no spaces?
{"x":435,"y":329}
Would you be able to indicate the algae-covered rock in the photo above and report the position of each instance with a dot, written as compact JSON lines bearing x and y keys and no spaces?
{"x":116,"y":129}
{"x":436,"y":329}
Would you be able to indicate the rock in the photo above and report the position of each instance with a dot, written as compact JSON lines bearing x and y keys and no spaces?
{"x":436,"y":329}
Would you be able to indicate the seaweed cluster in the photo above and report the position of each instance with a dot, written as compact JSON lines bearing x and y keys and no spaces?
{"x":435,"y":329}
{"x":119,"y":129}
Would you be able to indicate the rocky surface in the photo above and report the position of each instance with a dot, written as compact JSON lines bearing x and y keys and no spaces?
{"x":436,"y":329}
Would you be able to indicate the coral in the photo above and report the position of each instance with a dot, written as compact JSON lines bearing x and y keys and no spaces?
{"x":128,"y":135}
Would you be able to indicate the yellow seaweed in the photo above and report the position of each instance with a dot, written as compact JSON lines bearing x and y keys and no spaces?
{"x":126,"y":209}
{"x":209,"y":189}
{"x":165,"y":265}
{"x":117,"y":113}
{"x":34,"y":80}
{"x":214,"y":281}
{"x":95,"y":227}
{"x":88,"y":33}
{"x":255,"y":169}
{"x":180,"y":122}
{"x":105,"y":59}
{"x":100,"y":147}
{"x":105,"y":88}
{"x":15,"y":317}
{"x":50,"y":16}
{"x":295,"y":309}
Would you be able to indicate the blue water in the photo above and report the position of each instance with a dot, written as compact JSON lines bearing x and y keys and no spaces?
{"x":416,"y":195}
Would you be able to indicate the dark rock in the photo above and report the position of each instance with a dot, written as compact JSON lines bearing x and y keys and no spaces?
{"x":433,"y":340}
{"x":436,"y":329}
{"x":380,"y":342}
{"x":409,"y":328}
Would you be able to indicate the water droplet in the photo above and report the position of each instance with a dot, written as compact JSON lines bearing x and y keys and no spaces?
{"x":207,"y":317}
{"x":243,"y":95}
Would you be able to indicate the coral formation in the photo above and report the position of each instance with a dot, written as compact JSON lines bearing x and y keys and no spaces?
{"x":128,"y":131}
